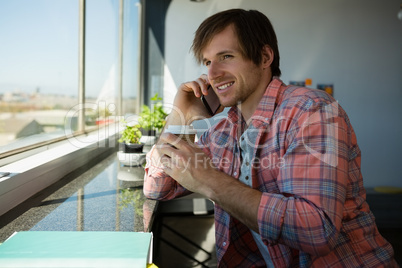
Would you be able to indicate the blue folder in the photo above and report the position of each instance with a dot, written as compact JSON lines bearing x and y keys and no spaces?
{"x":76,"y":249}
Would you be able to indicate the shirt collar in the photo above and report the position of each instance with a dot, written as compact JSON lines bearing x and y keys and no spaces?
{"x":265,"y":108}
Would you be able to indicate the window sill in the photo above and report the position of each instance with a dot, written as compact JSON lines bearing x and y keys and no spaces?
{"x":34,"y":173}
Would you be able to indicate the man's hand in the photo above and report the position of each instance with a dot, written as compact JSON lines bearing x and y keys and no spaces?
{"x":187,"y":105}
{"x":185,"y":163}
{"x":192,"y":168}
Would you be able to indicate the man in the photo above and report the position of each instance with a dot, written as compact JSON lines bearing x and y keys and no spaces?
{"x":283,"y":168}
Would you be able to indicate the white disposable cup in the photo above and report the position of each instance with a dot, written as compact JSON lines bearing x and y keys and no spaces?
{"x":184,"y":132}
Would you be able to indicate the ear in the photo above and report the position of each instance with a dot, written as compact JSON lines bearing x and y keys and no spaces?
{"x":267,"y":56}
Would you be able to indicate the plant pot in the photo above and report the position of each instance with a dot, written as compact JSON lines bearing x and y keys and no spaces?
{"x":148,"y":132}
{"x":132,"y":148}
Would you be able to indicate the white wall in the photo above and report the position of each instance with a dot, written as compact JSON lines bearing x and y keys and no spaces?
{"x":356,"y":45}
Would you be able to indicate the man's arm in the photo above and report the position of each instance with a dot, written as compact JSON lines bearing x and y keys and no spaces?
{"x":307,"y":213}
{"x":191,"y":168}
{"x":186,"y":108}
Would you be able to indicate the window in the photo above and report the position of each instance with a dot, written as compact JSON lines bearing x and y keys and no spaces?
{"x":39,"y":74}
{"x":131,"y":61}
{"x":101,"y":60}
{"x":39,"y":67}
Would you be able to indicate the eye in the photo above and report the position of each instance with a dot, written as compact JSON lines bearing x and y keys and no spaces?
{"x":227,"y":57}
{"x":207,"y":63}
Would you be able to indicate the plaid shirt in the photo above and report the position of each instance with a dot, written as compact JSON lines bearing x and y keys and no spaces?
{"x":306,"y":162}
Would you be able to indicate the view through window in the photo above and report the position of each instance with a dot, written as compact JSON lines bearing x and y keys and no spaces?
{"x":39,"y":67}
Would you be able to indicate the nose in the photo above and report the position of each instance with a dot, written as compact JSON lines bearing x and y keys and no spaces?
{"x":214,"y":71}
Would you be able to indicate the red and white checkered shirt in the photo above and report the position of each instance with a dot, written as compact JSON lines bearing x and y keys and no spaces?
{"x":306,"y":162}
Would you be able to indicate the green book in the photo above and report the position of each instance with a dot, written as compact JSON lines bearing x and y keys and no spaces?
{"x":76,"y":249}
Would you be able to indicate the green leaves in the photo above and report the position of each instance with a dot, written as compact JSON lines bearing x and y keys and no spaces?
{"x":153,"y":118}
{"x":131,"y":134}
{"x":156,"y":98}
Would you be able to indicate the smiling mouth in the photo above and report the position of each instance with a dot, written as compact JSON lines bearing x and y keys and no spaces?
{"x":224,"y":86}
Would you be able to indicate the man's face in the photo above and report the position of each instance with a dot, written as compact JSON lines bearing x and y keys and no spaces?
{"x":234,"y":78}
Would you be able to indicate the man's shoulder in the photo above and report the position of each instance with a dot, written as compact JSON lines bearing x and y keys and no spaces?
{"x":302,"y":98}
{"x":302,"y":94}
{"x":298,"y":102}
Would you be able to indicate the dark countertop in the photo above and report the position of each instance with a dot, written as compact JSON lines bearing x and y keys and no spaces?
{"x":104,"y":196}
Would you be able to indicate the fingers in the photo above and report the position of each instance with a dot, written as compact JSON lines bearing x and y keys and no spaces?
{"x":166,"y":163}
{"x":198,"y":86}
{"x":204,"y":83}
{"x":174,"y":150}
{"x":167,"y":156}
{"x":170,"y":141}
{"x":171,"y":159}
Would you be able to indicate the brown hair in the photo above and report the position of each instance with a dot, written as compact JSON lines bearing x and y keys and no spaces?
{"x":253,"y":29}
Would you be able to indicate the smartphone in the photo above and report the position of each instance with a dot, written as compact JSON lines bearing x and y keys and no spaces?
{"x":211,"y":101}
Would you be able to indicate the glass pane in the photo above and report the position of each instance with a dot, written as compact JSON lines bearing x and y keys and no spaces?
{"x":39,"y":70}
{"x":131,"y":42}
{"x":101,"y":60}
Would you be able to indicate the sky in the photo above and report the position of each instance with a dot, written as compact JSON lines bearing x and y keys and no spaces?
{"x":39,"y":44}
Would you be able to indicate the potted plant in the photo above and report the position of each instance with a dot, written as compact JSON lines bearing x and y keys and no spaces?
{"x":130,"y":138}
{"x":152,"y":119}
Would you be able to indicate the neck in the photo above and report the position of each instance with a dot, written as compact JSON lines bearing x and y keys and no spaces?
{"x":249,"y":106}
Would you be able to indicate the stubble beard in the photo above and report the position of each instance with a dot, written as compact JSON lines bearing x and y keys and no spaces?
{"x":240,"y":96}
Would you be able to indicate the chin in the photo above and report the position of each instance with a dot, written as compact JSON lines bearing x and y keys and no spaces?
{"x":228,"y":103}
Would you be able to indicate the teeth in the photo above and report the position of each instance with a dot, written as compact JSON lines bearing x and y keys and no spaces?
{"x":225,"y":86}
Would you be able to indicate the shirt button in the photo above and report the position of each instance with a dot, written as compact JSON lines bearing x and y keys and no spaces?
{"x":224,"y":244}
{"x":235,"y":173}
{"x":246,"y":177}
{"x":247,"y":163}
